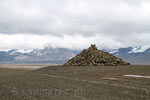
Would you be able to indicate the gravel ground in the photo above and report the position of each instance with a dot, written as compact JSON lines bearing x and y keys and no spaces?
{"x":75,"y":83}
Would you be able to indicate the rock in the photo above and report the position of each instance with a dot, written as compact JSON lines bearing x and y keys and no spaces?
{"x":94,"y":57}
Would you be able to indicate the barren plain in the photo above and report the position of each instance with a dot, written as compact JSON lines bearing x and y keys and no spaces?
{"x":74,"y":83}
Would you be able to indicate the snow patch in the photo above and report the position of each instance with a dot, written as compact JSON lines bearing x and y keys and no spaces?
{"x":5,"y":50}
{"x":39,"y":54}
{"x":138,"y":76}
{"x":109,"y":78}
{"x":22,"y":51}
{"x":139,"y":49}
{"x":113,"y":51}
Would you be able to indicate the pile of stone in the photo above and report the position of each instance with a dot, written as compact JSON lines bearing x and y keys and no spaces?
{"x":94,"y":57}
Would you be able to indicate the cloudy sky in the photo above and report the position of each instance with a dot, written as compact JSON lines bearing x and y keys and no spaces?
{"x":74,"y":23}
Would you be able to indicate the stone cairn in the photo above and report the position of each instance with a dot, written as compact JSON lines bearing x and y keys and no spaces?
{"x":94,"y":57}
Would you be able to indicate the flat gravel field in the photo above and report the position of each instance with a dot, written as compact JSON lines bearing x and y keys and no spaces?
{"x":75,"y":83}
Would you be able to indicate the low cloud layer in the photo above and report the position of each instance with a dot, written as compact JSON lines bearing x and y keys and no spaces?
{"x":30,"y":41}
{"x":74,"y":23}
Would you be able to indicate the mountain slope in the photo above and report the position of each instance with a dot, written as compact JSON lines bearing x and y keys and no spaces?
{"x":137,"y":55}
{"x":45,"y":55}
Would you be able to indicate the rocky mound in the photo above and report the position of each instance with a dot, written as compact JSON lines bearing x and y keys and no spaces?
{"x":94,"y":57}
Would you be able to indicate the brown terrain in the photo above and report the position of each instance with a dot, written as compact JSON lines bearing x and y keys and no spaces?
{"x":94,"y":57}
{"x":76,"y":83}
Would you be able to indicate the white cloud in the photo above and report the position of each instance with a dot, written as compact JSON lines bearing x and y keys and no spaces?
{"x":32,"y":41}
{"x":108,"y":23}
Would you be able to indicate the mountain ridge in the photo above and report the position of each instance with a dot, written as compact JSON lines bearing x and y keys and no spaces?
{"x":134,"y":55}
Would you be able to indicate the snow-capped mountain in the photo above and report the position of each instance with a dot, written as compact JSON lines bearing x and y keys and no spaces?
{"x":138,"y":49}
{"x":134,"y":55}
{"x":45,"y":55}
{"x":20,"y":51}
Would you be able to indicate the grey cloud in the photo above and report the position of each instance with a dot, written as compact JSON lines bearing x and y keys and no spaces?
{"x":75,"y":16}
{"x":110,"y":18}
